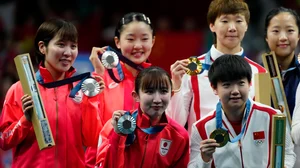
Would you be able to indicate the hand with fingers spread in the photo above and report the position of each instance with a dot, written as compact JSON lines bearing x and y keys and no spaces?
{"x":94,"y":58}
{"x":207,"y":148}
{"x":115,"y":117}
{"x":178,"y":69}
{"x":27,"y":106}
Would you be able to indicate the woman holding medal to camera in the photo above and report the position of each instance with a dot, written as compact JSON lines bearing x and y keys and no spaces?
{"x":238,"y":132}
{"x":71,"y":112}
{"x":193,"y":99}
{"x":134,"y":37}
{"x":145,"y":137}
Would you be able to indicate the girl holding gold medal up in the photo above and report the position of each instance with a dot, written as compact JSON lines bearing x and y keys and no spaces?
{"x":238,"y":132}
{"x":228,"y":21}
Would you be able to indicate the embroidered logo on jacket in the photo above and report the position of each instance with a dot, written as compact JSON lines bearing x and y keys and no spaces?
{"x":78,"y":97}
{"x":164,"y":146}
{"x":113,"y":85}
{"x":259,"y":137}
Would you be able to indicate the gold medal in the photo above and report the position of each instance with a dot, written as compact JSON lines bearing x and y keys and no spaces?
{"x":194,"y":66}
{"x":221,"y":136}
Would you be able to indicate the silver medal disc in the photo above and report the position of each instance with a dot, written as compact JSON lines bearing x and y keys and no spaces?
{"x":126,"y":124}
{"x":110,"y":59}
{"x":90,"y":87}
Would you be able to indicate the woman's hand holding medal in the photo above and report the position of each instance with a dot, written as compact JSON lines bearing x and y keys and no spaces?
{"x":178,"y":69}
{"x":207,"y":148}
{"x":94,"y":58}
{"x":115,"y":118}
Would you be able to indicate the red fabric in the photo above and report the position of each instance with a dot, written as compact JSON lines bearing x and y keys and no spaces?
{"x":259,"y":135}
{"x":146,"y":150}
{"x":115,"y":96}
{"x":74,"y":124}
{"x":237,"y":126}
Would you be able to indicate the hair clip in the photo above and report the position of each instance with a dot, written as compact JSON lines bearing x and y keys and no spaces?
{"x":144,"y":17}
{"x":123,"y":21}
{"x":148,"y":20}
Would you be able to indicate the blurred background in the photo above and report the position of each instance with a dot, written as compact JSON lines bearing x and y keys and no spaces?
{"x":181,"y":27}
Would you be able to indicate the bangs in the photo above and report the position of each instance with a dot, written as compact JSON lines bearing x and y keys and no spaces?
{"x":154,"y":80}
{"x":235,"y":72}
{"x":68,"y":33}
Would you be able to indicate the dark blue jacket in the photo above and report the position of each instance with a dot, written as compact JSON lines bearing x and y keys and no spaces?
{"x":290,"y":82}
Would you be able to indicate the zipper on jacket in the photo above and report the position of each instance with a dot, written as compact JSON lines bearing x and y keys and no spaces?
{"x":56,"y":127}
{"x":240,"y":145}
{"x":145,"y":147}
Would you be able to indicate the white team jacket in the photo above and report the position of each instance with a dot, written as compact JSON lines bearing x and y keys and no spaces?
{"x":250,"y":151}
{"x":183,"y":103}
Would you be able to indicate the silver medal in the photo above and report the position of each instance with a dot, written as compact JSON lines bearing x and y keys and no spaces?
{"x":126,"y":124}
{"x":110,"y":59}
{"x":90,"y":87}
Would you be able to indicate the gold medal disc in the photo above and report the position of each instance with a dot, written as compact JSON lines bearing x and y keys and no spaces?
{"x":221,"y":136}
{"x":194,"y":66}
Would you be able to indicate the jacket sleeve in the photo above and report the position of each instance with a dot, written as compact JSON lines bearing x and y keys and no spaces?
{"x":296,"y":119}
{"x":180,"y":103}
{"x":91,"y":125}
{"x":195,"y":158}
{"x":13,"y":124}
{"x":290,"y":156}
{"x":111,"y":148}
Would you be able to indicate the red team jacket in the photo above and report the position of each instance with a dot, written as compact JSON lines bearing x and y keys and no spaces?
{"x":168,"y":148}
{"x":74,"y":123}
{"x":115,"y":96}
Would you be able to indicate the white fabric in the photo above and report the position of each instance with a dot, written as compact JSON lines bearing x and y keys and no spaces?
{"x":181,"y":107}
{"x":296,"y":127}
{"x":249,"y":152}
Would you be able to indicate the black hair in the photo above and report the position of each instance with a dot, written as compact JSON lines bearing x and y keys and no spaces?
{"x":229,"y":68}
{"x":275,"y":12}
{"x":130,"y":17}
{"x":153,"y":77}
{"x":51,"y":28}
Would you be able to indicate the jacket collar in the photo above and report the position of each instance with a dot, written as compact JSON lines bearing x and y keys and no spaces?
{"x":143,"y":120}
{"x":128,"y":73}
{"x":47,"y":77}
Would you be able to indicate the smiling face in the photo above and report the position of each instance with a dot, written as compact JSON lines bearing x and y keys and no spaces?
{"x":153,"y":90}
{"x":154,"y":101}
{"x":230,"y":30}
{"x":233,"y":94}
{"x":283,"y":35}
{"x":136,"y":41}
{"x":59,"y":54}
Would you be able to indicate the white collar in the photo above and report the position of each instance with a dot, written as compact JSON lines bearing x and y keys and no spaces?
{"x":214,"y":53}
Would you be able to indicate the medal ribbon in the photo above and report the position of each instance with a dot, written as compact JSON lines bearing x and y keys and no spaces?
{"x":208,"y":61}
{"x":73,"y":92}
{"x":119,"y":68}
{"x":219,"y":120}
{"x":150,"y":130}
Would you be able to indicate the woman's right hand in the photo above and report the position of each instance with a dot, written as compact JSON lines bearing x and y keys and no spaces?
{"x":207,"y":148}
{"x":115,"y":117}
{"x":178,"y":69}
{"x":94,"y":58}
{"x":27,"y":106}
